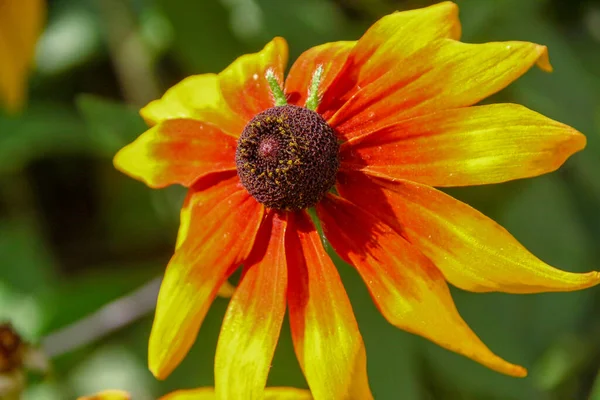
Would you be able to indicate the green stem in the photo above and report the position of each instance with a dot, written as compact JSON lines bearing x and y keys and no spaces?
{"x":313,"y":93}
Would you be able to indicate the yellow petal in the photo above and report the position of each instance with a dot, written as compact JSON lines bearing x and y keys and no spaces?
{"x":387,"y":44}
{"x":21,"y":23}
{"x":223,"y":221}
{"x":272,"y":393}
{"x":472,"y":251}
{"x":326,"y":338}
{"x":244,"y":84}
{"x":445,"y":75}
{"x":408,"y":289}
{"x":462,"y":147}
{"x":253,"y":319}
{"x":108,"y":395}
{"x":196,"y":97}
{"x":177,"y":151}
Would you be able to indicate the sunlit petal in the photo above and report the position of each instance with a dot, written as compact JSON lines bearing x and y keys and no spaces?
{"x":446,"y":74}
{"x":254,"y":317}
{"x":196,"y":97}
{"x":388,"y":44}
{"x":220,"y":232}
{"x":407,"y":288}
{"x":177,"y":151}
{"x":244,"y":84}
{"x":329,"y":56}
{"x":326,"y":337}
{"x":472,"y":251}
{"x":468,"y":146}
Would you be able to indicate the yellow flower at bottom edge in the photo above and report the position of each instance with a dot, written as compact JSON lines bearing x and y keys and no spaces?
{"x":383,"y":120}
{"x":272,"y":393}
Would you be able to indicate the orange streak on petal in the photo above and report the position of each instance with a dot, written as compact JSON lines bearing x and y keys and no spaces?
{"x":177,"y":151}
{"x":447,"y":74}
{"x":196,"y":97}
{"x":407,"y":288}
{"x":326,"y":336}
{"x":468,"y":146}
{"x":253,"y":319}
{"x":330,"y":56}
{"x":244,"y":84}
{"x":222,"y":226}
{"x":472,"y":251}
{"x":388,"y":44}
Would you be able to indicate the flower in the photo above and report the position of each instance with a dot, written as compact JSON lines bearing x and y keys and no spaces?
{"x":384,"y":119}
{"x":205,"y":393}
{"x":21,"y":23}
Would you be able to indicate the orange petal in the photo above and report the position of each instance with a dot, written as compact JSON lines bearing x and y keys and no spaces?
{"x":472,"y":251}
{"x":388,"y":44}
{"x":244,"y":84}
{"x":272,"y":393}
{"x":468,"y":146}
{"x":108,"y":395}
{"x":407,"y":288}
{"x":177,"y":151}
{"x":329,"y":56}
{"x":447,"y":74}
{"x":223,"y":221}
{"x":196,"y":97}
{"x":21,"y":23}
{"x":326,"y":337}
{"x":253,"y":319}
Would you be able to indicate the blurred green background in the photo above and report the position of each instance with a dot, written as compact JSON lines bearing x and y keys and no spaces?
{"x":82,"y":247}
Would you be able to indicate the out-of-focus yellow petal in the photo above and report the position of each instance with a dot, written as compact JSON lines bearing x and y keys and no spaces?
{"x":272,"y":393}
{"x":407,"y":288}
{"x":108,"y":395}
{"x":472,"y":251}
{"x":253,"y":319}
{"x":388,"y":44}
{"x":444,"y":75}
{"x":177,"y":151}
{"x":326,"y":338}
{"x":205,"y":393}
{"x":220,"y":233}
{"x":21,"y":23}
{"x":468,"y":146}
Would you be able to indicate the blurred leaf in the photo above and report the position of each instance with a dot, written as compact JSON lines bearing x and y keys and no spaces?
{"x":112,"y":124}
{"x":42,"y":130}
{"x":196,"y":25}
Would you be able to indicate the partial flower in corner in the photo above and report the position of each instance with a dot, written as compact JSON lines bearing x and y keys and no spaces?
{"x":206,"y":393}
{"x":364,"y":131}
{"x":21,"y":23}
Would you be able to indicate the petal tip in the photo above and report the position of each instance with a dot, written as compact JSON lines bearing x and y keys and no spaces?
{"x":543,"y":61}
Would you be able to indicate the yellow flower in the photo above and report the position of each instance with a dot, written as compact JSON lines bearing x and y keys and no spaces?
{"x":21,"y":23}
{"x":384,"y":120}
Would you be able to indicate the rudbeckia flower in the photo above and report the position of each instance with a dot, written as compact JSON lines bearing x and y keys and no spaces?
{"x":205,"y":393}
{"x":364,"y":131}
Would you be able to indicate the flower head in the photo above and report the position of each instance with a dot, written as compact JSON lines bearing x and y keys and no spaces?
{"x":383,"y":120}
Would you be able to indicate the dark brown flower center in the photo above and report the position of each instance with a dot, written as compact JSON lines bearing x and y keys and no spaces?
{"x":12,"y":349}
{"x":287,"y":157}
